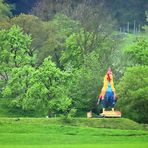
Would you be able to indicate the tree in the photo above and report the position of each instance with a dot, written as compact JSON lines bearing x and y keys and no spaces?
{"x":83,"y":89}
{"x":15,"y":58}
{"x":40,"y":90}
{"x":132,"y":87}
{"x":18,"y":85}
{"x":5,"y":10}
{"x":55,"y":81}
{"x":14,"y":51}
{"x":81,"y":11}
{"x":94,"y":35}
{"x":84,"y":64}
{"x":127,"y":11}
{"x":46,"y":9}
{"x":83,"y":43}
{"x":137,"y":50}
{"x":133,"y":94}
{"x":42,"y":33}
{"x":64,"y":27}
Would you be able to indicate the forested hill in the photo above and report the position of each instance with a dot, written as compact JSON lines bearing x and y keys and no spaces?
{"x":122,"y":10}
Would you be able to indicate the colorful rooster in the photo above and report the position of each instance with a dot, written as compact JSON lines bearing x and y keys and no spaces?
{"x":108,"y":94}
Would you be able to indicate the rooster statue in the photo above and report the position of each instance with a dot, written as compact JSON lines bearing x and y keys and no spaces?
{"x":108,"y":96}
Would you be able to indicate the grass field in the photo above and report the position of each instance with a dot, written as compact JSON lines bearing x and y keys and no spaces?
{"x":54,"y":133}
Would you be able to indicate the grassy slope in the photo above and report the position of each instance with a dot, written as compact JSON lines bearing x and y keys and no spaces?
{"x":115,"y":123}
{"x":54,"y":133}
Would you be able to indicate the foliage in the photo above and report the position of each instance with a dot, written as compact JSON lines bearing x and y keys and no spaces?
{"x":127,"y":11}
{"x":14,"y":52}
{"x":88,"y":56}
{"x":81,"y":11}
{"x":18,"y":85}
{"x":5,"y":10}
{"x":138,"y":51}
{"x":133,"y":93}
{"x":14,"y":45}
{"x":133,"y":85}
{"x":64,"y":27}
{"x":29,"y":88}
{"x":82,"y":44}
{"x":53,"y":33}
{"x":42,"y":33}
{"x":54,"y":80}
{"x":38,"y":89}
{"x":122,"y":11}
{"x":83,"y":96}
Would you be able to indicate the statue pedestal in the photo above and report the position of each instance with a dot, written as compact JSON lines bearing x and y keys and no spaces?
{"x":111,"y":114}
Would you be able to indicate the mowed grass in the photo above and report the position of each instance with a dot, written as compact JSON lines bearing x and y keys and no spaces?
{"x":37,"y":133}
{"x":79,"y":146}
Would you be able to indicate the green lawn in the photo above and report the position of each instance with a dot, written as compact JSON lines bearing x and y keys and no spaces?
{"x":37,"y":133}
{"x":79,"y":146}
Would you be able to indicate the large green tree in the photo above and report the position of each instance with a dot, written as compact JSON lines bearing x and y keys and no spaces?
{"x":40,"y":90}
{"x":26,"y":87}
{"x":132,"y":87}
{"x":14,"y":51}
{"x":42,"y":33}
{"x":133,"y":94}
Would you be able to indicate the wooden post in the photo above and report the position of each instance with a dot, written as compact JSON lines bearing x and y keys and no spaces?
{"x":127,"y":27}
{"x":134,"y":31}
{"x":139,"y":29}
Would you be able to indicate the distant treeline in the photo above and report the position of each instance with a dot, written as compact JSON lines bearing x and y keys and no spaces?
{"x":122,"y":10}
